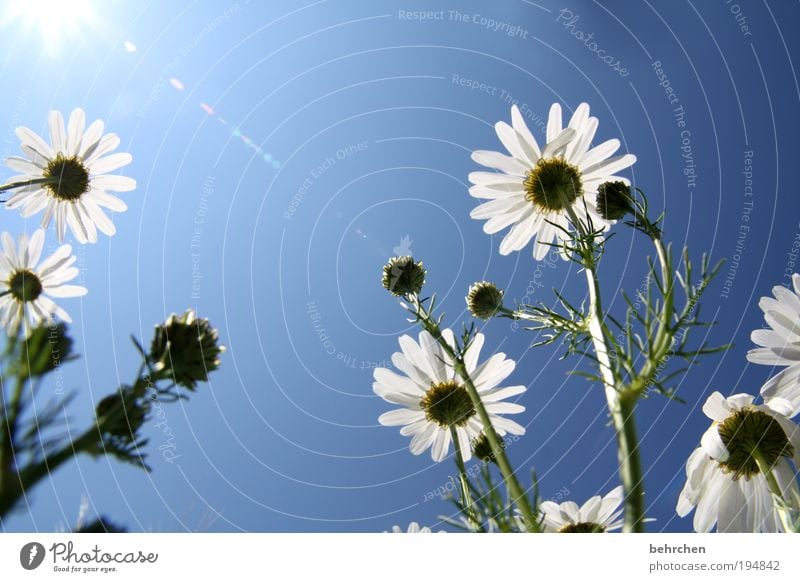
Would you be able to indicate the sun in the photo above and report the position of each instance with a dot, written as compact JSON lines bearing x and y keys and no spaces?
{"x":56,"y":20}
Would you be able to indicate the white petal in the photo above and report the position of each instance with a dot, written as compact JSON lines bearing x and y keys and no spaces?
{"x":521,"y":233}
{"x":732,"y":512}
{"x":25,"y":166}
{"x":562,"y":139}
{"x":105,"y":200}
{"x":109,"y":163}
{"x":77,"y":121}
{"x":67,"y":291}
{"x":499,"y":161}
{"x":716,"y":407}
{"x":515,"y":144}
{"x":518,"y":122}
{"x":713,"y":446}
{"x":114,"y":183}
{"x":599,"y":153}
{"x":91,"y":137}
{"x":399,"y":417}
{"x":31,"y":140}
{"x":57,"y":134}
{"x":609,"y":166}
{"x":553,"y":123}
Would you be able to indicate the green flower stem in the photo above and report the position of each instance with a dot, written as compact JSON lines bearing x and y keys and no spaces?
{"x":513,"y":485}
{"x":32,"y":474}
{"x":621,"y":403}
{"x":784,"y":508}
{"x":11,"y":412}
{"x":466,"y":494}
{"x":12,"y":185}
{"x":621,"y":406}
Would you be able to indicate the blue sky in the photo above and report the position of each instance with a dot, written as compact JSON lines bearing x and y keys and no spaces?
{"x":331,"y":132}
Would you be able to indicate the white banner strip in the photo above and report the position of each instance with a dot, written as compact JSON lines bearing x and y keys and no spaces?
{"x":395,"y":557}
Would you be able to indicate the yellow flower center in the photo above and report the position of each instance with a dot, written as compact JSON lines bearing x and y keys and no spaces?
{"x":553,"y":184}
{"x":447,"y":404}
{"x":70,"y":178}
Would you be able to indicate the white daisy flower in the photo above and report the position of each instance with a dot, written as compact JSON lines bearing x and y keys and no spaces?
{"x":434,"y":401}
{"x":70,"y":177}
{"x":723,"y":480}
{"x":528,"y":189}
{"x":780,"y":346}
{"x":27,"y":286}
{"x":598,"y":515}
{"x":413,"y":527}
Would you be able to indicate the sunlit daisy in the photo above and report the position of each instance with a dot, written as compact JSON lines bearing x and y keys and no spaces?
{"x":434,"y":401}
{"x":413,"y":527}
{"x":27,"y":286}
{"x":531,"y":189}
{"x":70,"y":178}
{"x":598,"y":515}
{"x":724,"y":480}
{"x":780,"y":347}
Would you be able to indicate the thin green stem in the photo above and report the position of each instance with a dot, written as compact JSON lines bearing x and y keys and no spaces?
{"x":783,"y":507}
{"x":12,"y":185}
{"x":466,"y":495}
{"x":620,"y":408}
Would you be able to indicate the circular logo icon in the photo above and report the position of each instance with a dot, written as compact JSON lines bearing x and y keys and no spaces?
{"x":31,"y":555}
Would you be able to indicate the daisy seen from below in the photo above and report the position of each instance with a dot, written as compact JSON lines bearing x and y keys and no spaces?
{"x":743,"y":458}
{"x":413,"y":527}
{"x":435,"y":406}
{"x":780,"y":346}
{"x":27,"y":285}
{"x":69,"y":180}
{"x":532,"y":189}
{"x":598,"y":515}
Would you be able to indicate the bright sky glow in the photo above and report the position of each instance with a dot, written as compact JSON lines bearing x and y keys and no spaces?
{"x":56,"y":20}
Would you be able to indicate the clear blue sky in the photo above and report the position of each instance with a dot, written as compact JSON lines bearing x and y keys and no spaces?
{"x":361,"y":121}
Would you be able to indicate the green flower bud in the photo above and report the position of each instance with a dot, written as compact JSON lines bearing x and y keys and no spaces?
{"x":614,"y":200}
{"x":483,"y":450}
{"x":122,"y":414}
{"x":484,"y":300}
{"x":185,"y":349}
{"x":403,"y":276}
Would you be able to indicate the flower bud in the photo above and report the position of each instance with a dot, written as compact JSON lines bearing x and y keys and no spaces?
{"x":484,"y":300}
{"x":483,"y":450}
{"x":403,"y":276}
{"x":614,"y":200}
{"x":185,"y":349}
{"x":122,"y":414}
